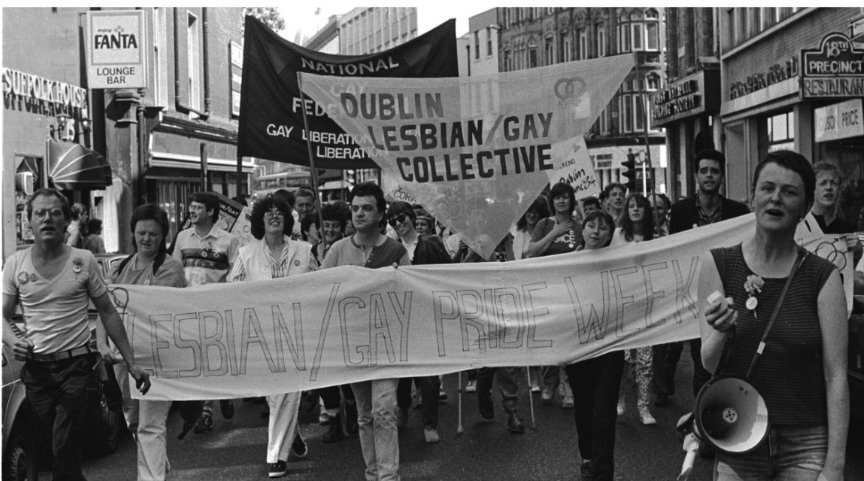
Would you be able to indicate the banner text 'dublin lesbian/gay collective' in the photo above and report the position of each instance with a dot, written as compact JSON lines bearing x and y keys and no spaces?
{"x":476,"y":151}
{"x":349,"y":324}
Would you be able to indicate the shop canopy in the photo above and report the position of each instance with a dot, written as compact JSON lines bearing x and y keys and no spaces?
{"x":75,"y":167}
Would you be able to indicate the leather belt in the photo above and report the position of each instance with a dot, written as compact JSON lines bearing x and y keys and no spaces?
{"x":62,"y":355}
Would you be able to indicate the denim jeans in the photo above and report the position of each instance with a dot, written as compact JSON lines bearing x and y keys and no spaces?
{"x":61,"y":392}
{"x":146,"y":420}
{"x":790,"y":453}
{"x":379,"y":433}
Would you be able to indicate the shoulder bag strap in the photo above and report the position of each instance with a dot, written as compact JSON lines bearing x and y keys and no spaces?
{"x":801,"y":254}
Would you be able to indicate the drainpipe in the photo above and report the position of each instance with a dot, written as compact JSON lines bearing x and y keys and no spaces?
{"x":181,"y":103}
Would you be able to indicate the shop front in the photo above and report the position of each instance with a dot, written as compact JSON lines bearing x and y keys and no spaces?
{"x":46,"y":131}
{"x":685,"y":108}
{"x":777,"y":90}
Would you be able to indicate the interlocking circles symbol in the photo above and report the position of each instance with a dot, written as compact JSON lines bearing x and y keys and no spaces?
{"x":828,"y":251}
{"x":569,"y":88}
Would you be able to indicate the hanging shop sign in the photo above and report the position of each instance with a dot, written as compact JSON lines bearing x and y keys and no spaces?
{"x":839,"y":121}
{"x":32,"y":93}
{"x":689,"y":96}
{"x":835,"y":69}
{"x":116,"y":56}
{"x":776,"y":73}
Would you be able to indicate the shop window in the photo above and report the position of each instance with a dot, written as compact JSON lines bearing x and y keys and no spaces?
{"x":781,"y":131}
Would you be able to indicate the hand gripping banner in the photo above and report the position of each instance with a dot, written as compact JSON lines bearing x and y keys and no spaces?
{"x":271,"y":106}
{"x":476,"y":151}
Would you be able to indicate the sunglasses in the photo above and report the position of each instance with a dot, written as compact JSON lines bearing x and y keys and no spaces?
{"x":398,"y":220}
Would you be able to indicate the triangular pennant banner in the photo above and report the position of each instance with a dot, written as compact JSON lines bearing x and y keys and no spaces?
{"x":475,"y":151}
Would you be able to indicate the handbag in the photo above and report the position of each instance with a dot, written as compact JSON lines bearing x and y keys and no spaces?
{"x":731,"y":414}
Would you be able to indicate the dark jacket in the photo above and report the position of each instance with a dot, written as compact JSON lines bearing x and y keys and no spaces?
{"x":685,"y":214}
{"x":430,"y":250}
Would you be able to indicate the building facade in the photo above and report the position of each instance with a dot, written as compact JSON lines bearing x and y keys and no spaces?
{"x":480,"y":46}
{"x":687,"y":106}
{"x":792,"y":78}
{"x":534,"y":37}
{"x":162,"y":142}
{"x":375,"y":29}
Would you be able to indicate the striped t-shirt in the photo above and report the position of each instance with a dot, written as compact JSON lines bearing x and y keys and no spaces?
{"x":789,"y":374}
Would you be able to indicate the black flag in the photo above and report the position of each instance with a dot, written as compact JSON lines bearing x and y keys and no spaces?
{"x":271,"y":119}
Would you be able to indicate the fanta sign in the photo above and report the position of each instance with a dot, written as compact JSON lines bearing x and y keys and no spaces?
{"x":115,"y":49}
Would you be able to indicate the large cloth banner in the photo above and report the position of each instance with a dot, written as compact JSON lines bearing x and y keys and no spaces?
{"x":476,"y":151}
{"x":271,"y":106}
{"x":349,"y":324}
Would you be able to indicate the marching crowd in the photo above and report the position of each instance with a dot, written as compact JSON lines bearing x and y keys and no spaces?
{"x":801,"y":373}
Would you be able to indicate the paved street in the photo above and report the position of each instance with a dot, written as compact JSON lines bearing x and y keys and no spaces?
{"x":235,"y":450}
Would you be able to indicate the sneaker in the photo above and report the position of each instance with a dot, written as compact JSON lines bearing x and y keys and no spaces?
{"x":442,"y":394}
{"x":471,"y":386}
{"x":431,"y":435}
{"x":323,"y":418}
{"x":204,"y":423}
{"x":227,"y":408}
{"x":278,"y":469}
{"x":621,"y":407}
{"x":299,"y":448}
{"x":567,"y":402}
{"x":646,"y":417}
{"x":515,"y":424}
{"x":546,"y":395}
{"x":535,"y":387}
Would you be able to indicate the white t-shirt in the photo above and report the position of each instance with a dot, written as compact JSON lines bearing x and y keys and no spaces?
{"x":55,"y":310}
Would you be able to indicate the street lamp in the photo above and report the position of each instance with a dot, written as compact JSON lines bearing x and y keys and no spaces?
{"x":60,"y":128}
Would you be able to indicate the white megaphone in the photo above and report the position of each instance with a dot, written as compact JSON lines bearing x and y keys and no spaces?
{"x":731,"y":415}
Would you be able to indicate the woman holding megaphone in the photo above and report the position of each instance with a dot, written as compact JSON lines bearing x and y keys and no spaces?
{"x":768,"y":300}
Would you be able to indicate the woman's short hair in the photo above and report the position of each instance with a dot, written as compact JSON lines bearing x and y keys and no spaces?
{"x":796,"y":163}
{"x":559,"y":189}
{"x":150,"y":212}
{"x":257,"y":217}
{"x":78,"y":209}
{"x":335,"y":212}
{"x":604,"y":218}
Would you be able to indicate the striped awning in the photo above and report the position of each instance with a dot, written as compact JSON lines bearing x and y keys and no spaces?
{"x":75,"y":167}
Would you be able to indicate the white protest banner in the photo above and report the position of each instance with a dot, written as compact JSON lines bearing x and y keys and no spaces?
{"x":476,"y":151}
{"x":350,"y":324}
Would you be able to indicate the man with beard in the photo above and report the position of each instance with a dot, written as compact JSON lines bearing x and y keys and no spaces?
{"x":706,"y":207}
{"x":207,"y":253}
